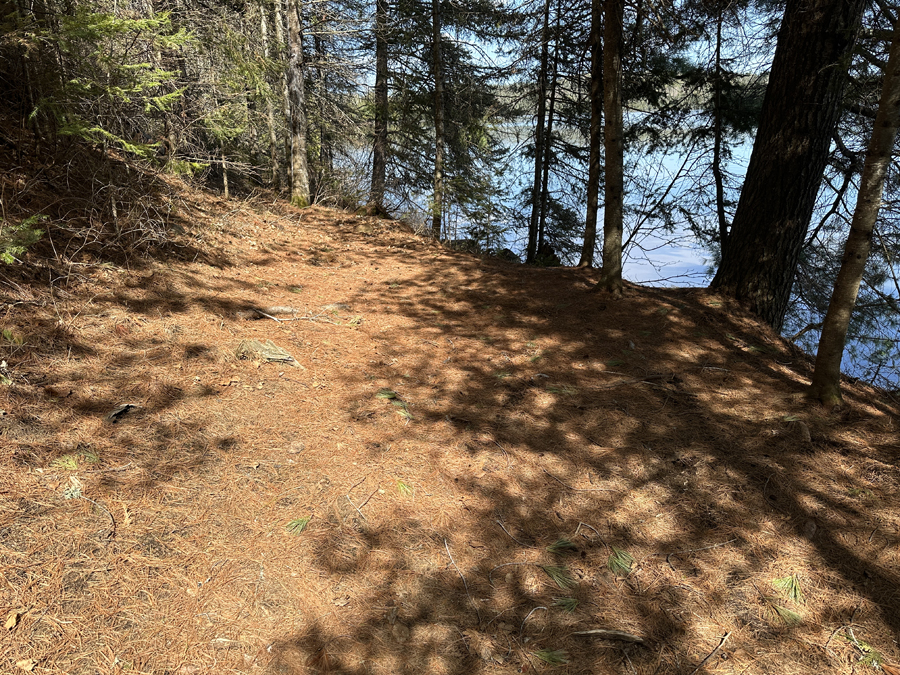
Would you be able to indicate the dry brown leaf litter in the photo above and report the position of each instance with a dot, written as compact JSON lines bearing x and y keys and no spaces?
{"x":667,"y":426}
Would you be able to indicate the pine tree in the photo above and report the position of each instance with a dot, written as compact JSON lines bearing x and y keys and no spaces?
{"x":799,"y":114}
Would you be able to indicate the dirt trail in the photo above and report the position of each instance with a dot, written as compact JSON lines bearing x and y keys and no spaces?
{"x":470,"y":463}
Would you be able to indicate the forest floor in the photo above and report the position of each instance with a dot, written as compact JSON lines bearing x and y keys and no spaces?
{"x":471,"y":466}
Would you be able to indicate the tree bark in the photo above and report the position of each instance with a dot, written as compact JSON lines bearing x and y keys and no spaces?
{"x":548,"y":140}
{"x":799,"y":113}
{"x":437,"y":205}
{"x":285,"y":91}
{"x":593,"y":186}
{"x":826,"y":381}
{"x":611,"y":277}
{"x":296,"y":87}
{"x":270,"y":107}
{"x":380,"y":144}
{"x":717,"y":139}
{"x":531,"y":250}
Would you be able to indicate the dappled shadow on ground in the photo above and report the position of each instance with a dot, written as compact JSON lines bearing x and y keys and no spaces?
{"x":474,"y":465}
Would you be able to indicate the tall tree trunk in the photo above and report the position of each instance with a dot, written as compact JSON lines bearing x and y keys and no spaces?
{"x":380,"y":144}
{"x":593,"y":186}
{"x":826,"y":381}
{"x":717,"y":139}
{"x":296,"y":84}
{"x":531,"y":250}
{"x":322,"y":165}
{"x":548,"y":140}
{"x":270,"y":106}
{"x":437,"y":205}
{"x":286,"y":95}
{"x":611,"y":278}
{"x":799,"y":114}
{"x":225,"y":192}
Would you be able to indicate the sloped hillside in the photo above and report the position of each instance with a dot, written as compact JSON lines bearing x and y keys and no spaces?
{"x":469,"y":467}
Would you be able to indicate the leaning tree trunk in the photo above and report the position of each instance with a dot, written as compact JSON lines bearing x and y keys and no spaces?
{"x":295,"y":69}
{"x":380,"y":145}
{"x":799,"y":113}
{"x":826,"y":381}
{"x":611,"y":277}
{"x":593,"y":185}
{"x":437,"y":206}
{"x":531,"y":249}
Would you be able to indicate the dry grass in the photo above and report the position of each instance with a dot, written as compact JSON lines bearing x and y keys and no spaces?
{"x":528,"y":410}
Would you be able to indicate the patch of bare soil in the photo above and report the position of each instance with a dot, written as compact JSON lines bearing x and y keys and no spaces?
{"x":468,"y":467}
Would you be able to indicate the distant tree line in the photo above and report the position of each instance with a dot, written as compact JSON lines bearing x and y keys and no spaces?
{"x":578,"y":133}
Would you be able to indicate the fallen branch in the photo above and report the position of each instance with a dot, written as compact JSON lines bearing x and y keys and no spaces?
{"x":608,"y":634}
{"x":712,"y":653}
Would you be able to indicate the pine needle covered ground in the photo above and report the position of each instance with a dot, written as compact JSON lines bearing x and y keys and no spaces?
{"x":471,"y":467}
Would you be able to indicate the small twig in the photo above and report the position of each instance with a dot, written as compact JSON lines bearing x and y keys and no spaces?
{"x":521,"y":543}
{"x":112,"y":530}
{"x":268,"y":316}
{"x":689,"y":550}
{"x":368,"y":498}
{"x":355,"y":507}
{"x":34,"y":627}
{"x":465,"y":585}
{"x":361,"y":480}
{"x":590,"y":527}
{"x":648,"y":379}
{"x":833,"y":633}
{"x":712,"y":653}
{"x":522,"y":627}
{"x":569,"y":487}
{"x":505,"y":454}
{"x":115,"y":468}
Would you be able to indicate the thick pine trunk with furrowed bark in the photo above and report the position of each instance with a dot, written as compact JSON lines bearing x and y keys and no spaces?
{"x":800,"y":110}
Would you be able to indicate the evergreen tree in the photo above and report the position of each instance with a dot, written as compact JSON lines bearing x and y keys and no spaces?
{"x":798,"y":118}
{"x":827,"y":376}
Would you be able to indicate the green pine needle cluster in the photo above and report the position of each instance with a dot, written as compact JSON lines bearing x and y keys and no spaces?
{"x":553,"y":657}
{"x":620,"y":562}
